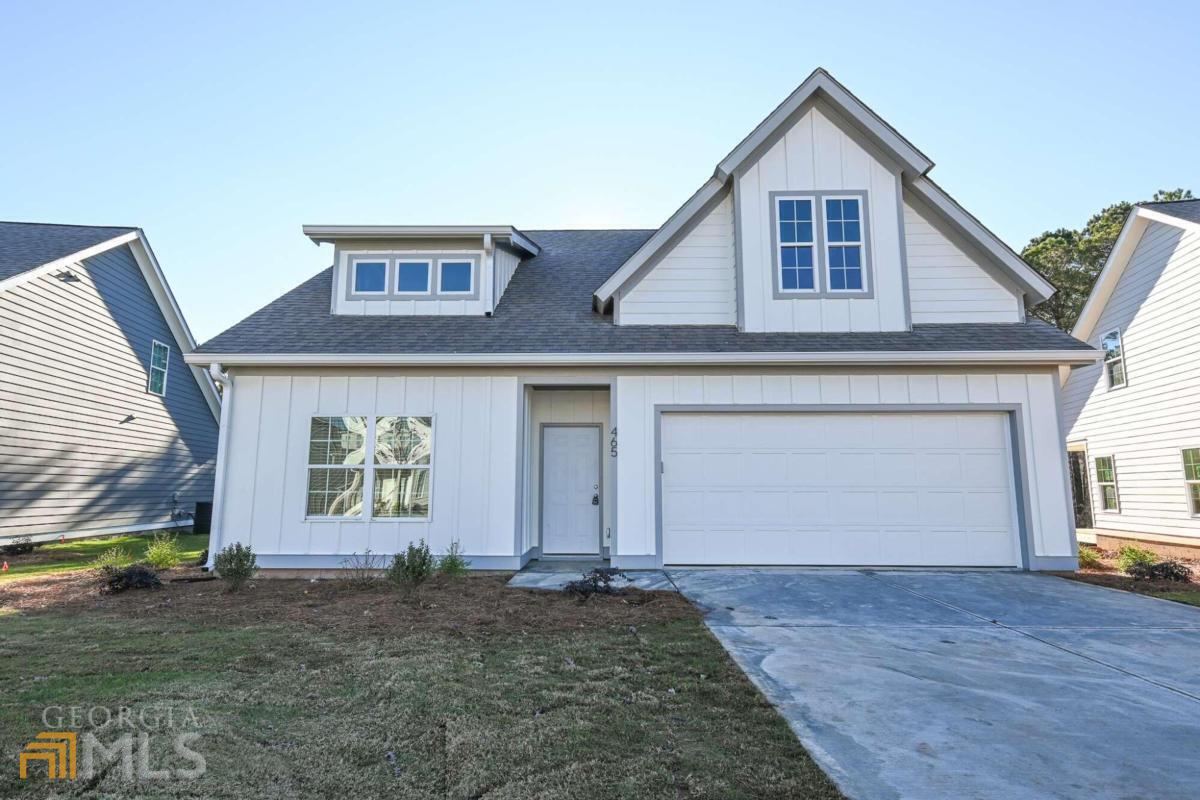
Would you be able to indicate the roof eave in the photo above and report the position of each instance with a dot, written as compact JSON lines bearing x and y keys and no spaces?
{"x":325,"y":234}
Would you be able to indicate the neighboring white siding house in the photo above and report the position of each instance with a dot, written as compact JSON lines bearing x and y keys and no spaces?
{"x":1140,"y":409}
{"x":819,"y":359}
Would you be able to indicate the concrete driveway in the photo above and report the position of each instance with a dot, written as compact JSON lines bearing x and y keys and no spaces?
{"x":961,"y":685}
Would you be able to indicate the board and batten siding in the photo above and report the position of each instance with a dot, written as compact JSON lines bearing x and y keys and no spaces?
{"x":1145,"y":425}
{"x":946,"y":285}
{"x":816,"y":154}
{"x":473,"y":479}
{"x":694,"y":283}
{"x":1036,"y":394}
{"x":83,"y":444}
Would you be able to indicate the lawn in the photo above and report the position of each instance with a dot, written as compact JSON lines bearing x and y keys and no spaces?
{"x":467,"y":689}
{"x":79,"y":553}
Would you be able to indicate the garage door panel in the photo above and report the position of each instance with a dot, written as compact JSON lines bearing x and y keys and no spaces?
{"x":846,"y":488}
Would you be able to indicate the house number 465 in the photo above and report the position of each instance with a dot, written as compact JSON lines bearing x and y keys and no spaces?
{"x":612,"y":444}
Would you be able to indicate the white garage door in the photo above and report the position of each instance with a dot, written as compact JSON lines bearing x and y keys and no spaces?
{"x":900,"y":489}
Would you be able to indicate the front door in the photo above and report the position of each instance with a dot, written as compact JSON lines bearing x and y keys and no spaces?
{"x":1081,"y":490}
{"x":571,"y":490}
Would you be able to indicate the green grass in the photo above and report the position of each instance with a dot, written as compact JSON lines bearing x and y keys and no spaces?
{"x":1190,"y":598}
{"x":297,"y":711}
{"x":78,"y":554}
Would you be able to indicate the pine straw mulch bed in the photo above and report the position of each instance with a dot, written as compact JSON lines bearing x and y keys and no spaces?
{"x":1108,"y":575}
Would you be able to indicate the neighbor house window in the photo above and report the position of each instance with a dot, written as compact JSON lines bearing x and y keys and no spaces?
{"x":844,"y":244}
{"x":336,"y":466}
{"x":1114,"y":359}
{"x":412,"y":277}
{"x":370,"y":277}
{"x":1106,"y":479}
{"x":1191,"y":477}
{"x":403,"y":452}
{"x":797,"y":262}
{"x":454,"y":277}
{"x":160,"y":359}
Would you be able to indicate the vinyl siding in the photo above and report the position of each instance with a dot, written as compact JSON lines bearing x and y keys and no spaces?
{"x":694,"y":283}
{"x":1145,"y":425}
{"x":74,"y":364}
{"x":505,"y":266}
{"x":947,"y":285}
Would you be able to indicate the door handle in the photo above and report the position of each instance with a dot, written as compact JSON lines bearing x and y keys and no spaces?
{"x":595,"y":499}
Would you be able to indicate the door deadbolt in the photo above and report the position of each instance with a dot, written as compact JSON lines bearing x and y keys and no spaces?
{"x":595,"y":499}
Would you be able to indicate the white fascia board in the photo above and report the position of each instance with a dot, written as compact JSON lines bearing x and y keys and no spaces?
{"x":321,"y":234}
{"x":962,"y":358}
{"x":1037,"y":287}
{"x":69,"y":260}
{"x":650,"y":249}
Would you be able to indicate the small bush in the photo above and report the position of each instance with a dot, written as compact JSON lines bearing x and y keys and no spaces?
{"x":1089,"y":558}
{"x":598,"y":581}
{"x":112,"y":558}
{"x":1169,"y":570}
{"x":453,"y":565}
{"x":411,"y":568}
{"x":361,"y":572}
{"x":135,"y":576}
{"x":1133,"y":557}
{"x":164,"y":552}
{"x":18,"y":546}
{"x":236,"y":564}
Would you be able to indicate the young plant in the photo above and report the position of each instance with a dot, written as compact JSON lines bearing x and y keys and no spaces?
{"x":453,"y":565}
{"x":362,"y":572}
{"x":597,"y":581}
{"x":164,"y":552}
{"x":1089,"y":558}
{"x":17,"y":546}
{"x":135,"y":576}
{"x":236,"y":564}
{"x":412,"y":567}
{"x":112,"y":558}
{"x":1131,"y":558}
{"x":1169,"y":570}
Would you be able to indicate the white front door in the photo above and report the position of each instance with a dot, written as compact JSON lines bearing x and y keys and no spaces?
{"x":571,"y":490}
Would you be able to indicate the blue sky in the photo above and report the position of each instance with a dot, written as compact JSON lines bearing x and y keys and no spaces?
{"x":222,"y":128}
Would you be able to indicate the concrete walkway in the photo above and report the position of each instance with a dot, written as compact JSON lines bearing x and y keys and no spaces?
{"x":931,"y":685}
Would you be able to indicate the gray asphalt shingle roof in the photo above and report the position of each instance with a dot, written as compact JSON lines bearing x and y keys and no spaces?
{"x":1188,"y":210}
{"x":547,"y":308}
{"x":27,"y":245}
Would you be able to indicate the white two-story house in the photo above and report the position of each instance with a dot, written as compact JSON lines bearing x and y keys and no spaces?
{"x":819,"y":359}
{"x":1133,"y":421}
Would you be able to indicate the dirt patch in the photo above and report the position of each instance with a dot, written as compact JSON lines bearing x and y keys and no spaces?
{"x":473,"y":605}
{"x":1115,"y":580}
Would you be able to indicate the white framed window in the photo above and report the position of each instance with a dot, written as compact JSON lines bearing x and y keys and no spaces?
{"x":1191,"y":479}
{"x":370,"y":468}
{"x":369,"y":276}
{"x":796,"y":240}
{"x":1114,"y":359}
{"x":1106,"y":480}
{"x":456,"y":276}
{"x":412,"y":277}
{"x":845,"y":245}
{"x":160,"y":362}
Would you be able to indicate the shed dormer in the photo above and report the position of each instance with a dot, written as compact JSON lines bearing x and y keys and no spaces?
{"x":410,"y":270}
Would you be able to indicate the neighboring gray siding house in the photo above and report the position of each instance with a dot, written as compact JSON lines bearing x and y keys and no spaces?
{"x":1133,"y":421}
{"x":820,"y":358}
{"x":103,"y":427}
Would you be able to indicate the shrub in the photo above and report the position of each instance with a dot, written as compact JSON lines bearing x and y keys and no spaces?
{"x":18,"y":546}
{"x":1169,"y":570}
{"x":453,"y":565}
{"x":236,"y":564}
{"x":134,"y":576}
{"x":363,"y":571}
{"x":598,"y":581}
{"x":112,"y":558}
{"x":164,"y":552}
{"x":411,"y":568}
{"x":1089,"y":558}
{"x":1133,"y":557}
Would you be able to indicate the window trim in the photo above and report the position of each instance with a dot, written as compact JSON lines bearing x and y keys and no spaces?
{"x":1113,"y":483}
{"x":1188,"y":483}
{"x":820,"y":259}
{"x":387,"y":276}
{"x":1124,"y":369}
{"x":428,"y":262}
{"x":470,"y":271}
{"x":166,"y":370}
{"x":368,"y":468}
{"x":814,"y":244}
{"x":861,"y":243}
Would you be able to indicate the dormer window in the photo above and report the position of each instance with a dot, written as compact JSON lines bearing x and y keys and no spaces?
{"x":455,"y":277}
{"x":412,"y":277}
{"x":370,"y":277}
{"x":820,"y":244}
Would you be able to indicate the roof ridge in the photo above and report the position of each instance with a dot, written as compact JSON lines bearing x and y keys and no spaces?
{"x":66,"y":224}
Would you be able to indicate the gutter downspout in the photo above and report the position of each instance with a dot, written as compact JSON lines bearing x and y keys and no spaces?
{"x":222,"y":378}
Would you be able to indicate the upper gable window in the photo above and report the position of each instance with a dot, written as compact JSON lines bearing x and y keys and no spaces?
{"x":160,"y":357}
{"x":412,"y":277}
{"x":370,"y":277}
{"x":1114,"y":359}
{"x":844,"y":244}
{"x":797,"y":242}
{"x":455,"y":277}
